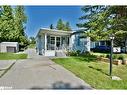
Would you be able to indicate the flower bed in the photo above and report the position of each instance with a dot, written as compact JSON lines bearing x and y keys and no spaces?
{"x":115,"y":61}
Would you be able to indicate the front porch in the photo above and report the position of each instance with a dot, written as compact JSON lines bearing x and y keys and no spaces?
{"x":51,"y":41}
{"x":56,"y":43}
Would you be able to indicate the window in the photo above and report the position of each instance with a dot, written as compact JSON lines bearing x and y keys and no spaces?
{"x":52,"y":39}
{"x":102,"y":43}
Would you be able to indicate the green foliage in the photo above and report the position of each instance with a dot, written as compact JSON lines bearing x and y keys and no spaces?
{"x":107,"y":56}
{"x":60,"y":25}
{"x":63,"y":26}
{"x":32,"y":40}
{"x":67,"y":27}
{"x":100,"y":21}
{"x":72,"y":53}
{"x":12,"y":25}
{"x":6,"y":23}
{"x":32,"y":46}
{"x":121,"y":57}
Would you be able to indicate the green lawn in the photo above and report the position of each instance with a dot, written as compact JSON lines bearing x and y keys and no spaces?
{"x":11,"y":56}
{"x":31,"y":46}
{"x":95,"y":73}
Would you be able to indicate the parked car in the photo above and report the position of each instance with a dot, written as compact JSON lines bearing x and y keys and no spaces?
{"x":101,"y":49}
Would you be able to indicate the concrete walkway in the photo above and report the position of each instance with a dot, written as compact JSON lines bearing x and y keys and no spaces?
{"x":39,"y":72}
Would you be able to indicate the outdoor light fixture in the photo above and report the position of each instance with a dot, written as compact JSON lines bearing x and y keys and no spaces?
{"x":111,"y":36}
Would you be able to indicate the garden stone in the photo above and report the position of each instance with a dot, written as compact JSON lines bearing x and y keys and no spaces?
{"x":116,"y":78}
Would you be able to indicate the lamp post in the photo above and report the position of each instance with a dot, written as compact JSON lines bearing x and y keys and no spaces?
{"x":111,"y":52}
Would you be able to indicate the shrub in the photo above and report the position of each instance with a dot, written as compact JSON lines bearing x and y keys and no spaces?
{"x":86,"y":53}
{"x":72,"y":53}
{"x":121,"y":57}
{"x":107,"y":56}
{"x":78,"y":52}
{"x":115,"y":56}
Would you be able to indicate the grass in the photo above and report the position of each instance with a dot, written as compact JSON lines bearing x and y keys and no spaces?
{"x":95,"y":73}
{"x":31,"y":46}
{"x":11,"y":56}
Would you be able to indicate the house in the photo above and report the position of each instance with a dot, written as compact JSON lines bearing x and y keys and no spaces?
{"x":52,"y":42}
{"x":9,"y":47}
{"x":99,"y":43}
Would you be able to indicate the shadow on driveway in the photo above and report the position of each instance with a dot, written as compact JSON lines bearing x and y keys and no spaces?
{"x":62,"y":86}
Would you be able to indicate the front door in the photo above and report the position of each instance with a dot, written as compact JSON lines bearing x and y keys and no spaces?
{"x":58,"y":42}
{"x":52,"y":43}
{"x":55,"y":42}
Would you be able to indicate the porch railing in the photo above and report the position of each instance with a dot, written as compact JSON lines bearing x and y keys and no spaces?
{"x":53,"y":47}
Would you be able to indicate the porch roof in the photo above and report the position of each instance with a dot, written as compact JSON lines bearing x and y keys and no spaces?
{"x":54,"y":32}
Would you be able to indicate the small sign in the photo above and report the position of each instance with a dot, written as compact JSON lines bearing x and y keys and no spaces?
{"x":116,"y":49}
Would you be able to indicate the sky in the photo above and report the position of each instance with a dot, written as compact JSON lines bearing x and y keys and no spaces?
{"x":44,"y":16}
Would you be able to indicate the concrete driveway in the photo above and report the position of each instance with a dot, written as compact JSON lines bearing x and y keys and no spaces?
{"x":39,"y":72}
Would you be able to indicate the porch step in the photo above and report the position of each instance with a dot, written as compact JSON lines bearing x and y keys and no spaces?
{"x":60,"y":54}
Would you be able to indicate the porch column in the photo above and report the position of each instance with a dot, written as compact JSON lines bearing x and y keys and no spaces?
{"x":45,"y":41}
{"x":55,"y":43}
{"x":70,"y":43}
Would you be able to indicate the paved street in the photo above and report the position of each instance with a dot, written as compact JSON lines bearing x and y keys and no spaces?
{"x":39,"y":72}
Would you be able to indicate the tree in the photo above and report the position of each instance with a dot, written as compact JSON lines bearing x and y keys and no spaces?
{"x":51,"y":26}
{"x":6,"y":23}
{"x":32,"y":40}
{"x":60,"y":25}
{"x":100,"y":21}
{"x":93,"y":21}
{"x":20,"y":21}
{"x":67,"y":27}
{"x":63,"y":25}
{"x":12,"y":24}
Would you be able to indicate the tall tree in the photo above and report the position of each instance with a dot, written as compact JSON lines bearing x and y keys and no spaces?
{"x":20,"y":21}
{"x":67,"y":26}
{"x":93,"y":21}
{"x":12,"y":24}
{"x":60,"y":25}
{"x":7,"y":23}
{"x":100,"y":21}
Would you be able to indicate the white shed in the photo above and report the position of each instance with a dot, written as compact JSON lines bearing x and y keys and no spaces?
{"x":9,"y":47}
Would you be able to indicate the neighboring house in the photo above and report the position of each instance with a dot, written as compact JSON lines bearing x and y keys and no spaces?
{"x":52,"y":42}
{"x":99,"y":43}
{"x":9,"y":47}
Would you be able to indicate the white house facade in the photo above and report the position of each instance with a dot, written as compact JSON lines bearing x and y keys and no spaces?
{"x":52,"y":42}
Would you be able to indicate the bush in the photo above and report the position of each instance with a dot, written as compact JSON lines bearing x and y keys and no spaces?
{"x":121,"y":57}
{"x":78,"y":52}
{"x":107,"y":56}
{"x":72,"y":53}
{"x":115,"y":56}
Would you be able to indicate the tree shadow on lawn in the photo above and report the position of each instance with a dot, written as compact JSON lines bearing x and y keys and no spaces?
{"x":100,"y":70}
